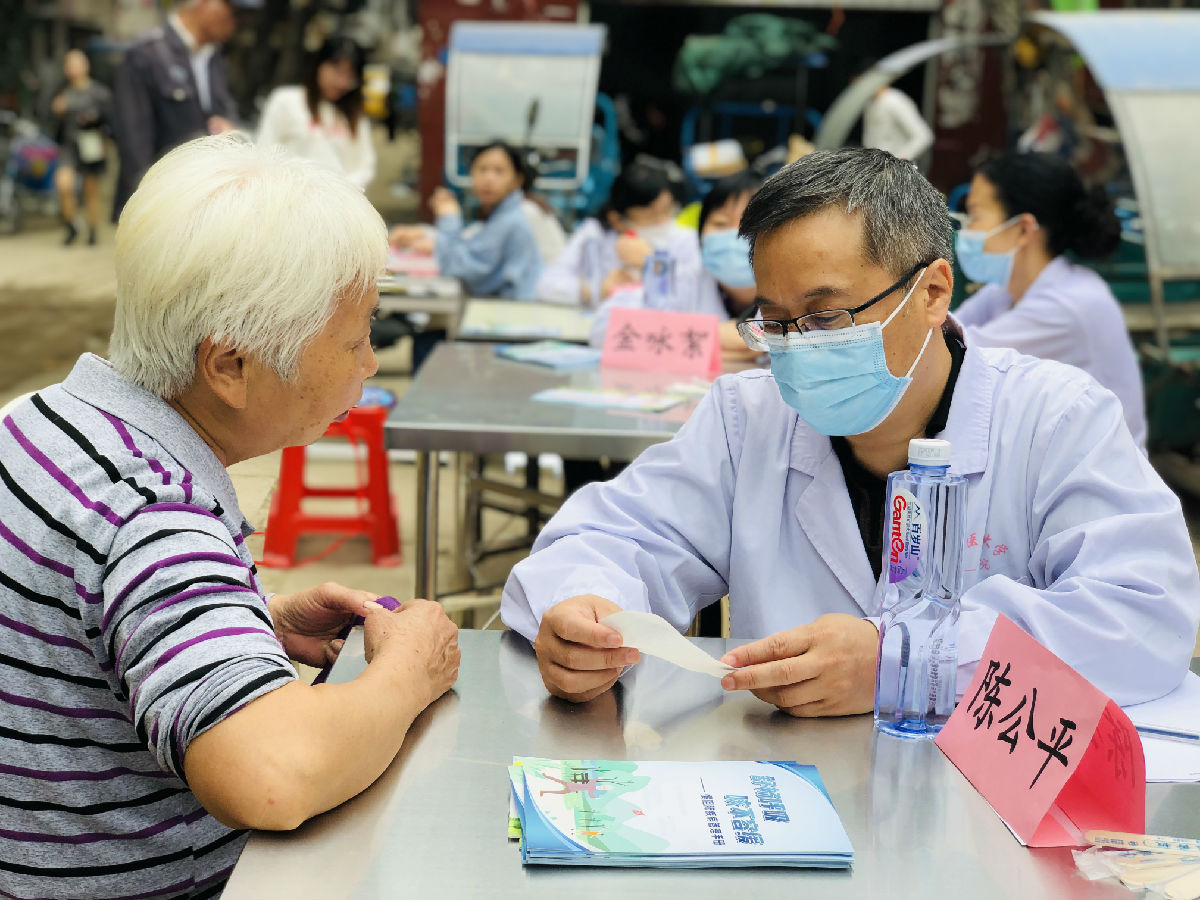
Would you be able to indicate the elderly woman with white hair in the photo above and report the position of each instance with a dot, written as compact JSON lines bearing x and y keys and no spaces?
{"x":149,"y":712}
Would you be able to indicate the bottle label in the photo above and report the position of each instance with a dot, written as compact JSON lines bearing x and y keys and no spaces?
{"x":906,"y":534}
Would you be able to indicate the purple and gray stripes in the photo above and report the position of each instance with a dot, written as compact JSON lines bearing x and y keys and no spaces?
{"x":148,"y":831}
{"x":58,"y":475}
{"x":188,"y":655}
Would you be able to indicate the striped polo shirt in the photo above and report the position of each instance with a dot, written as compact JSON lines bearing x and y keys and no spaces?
{"x":131,"y":620}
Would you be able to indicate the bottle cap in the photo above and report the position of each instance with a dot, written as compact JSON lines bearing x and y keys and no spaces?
{"x":926,"y":452}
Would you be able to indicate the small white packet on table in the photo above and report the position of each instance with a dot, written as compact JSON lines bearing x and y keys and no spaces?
{"x":654,"y":635}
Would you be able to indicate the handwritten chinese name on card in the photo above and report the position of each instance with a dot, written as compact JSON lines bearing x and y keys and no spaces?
{"x":655,"y":340}
{"x":1049,"y":751}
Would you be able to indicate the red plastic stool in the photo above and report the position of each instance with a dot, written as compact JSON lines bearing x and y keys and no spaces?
{"x":287,"y":521}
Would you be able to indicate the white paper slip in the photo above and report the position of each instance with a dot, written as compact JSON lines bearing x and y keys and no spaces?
{"x":1171,"y":760}
{"x":655,"y":635}
{"x":1178,"y":709}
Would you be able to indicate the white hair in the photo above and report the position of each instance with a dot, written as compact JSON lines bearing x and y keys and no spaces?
{"x":243,"y":244}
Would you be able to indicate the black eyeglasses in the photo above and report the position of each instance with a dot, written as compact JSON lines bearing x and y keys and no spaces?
{"x":760,"y":333}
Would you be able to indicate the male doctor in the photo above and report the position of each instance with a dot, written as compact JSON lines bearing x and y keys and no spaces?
{"x":774,"y":489}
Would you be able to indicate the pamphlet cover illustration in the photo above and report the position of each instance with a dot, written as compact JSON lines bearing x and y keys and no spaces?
{"x":618,"y":812}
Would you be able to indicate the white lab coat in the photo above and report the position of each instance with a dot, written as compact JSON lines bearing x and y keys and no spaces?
{"x":1071,"y":533}
{"x":287,"y":122}
{"x":559,"y":282}
{"x":893,"y":123}
{"x":1068,"y":314}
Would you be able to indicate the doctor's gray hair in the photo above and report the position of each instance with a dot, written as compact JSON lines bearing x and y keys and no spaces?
{"x":905,"y":219}
{"x":242,"y":244}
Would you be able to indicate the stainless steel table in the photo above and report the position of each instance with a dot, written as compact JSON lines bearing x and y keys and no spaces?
{"x":438,"y":296}
{"x":434,"y":825}
{"x":467,"y":399}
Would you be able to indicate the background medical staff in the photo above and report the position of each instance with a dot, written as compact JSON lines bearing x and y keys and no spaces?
{"x":608,"y":253}
{"x":725,"y":284}
{"x":1025,"y":213}
{"x":725,"y":255}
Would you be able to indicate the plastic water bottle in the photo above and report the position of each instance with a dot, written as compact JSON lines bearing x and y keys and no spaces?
{"x":921,"y":583}
{"x":593,"y":266}
{"x":658,"y":280}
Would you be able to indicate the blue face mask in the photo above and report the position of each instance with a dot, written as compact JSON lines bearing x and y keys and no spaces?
{"x":727,"y":258}
{"x":978,"y":265}
{"x":838,"y":381}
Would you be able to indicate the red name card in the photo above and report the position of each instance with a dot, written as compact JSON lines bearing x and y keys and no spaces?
{"x":1053,"y":755}
{"x":655,"y":340}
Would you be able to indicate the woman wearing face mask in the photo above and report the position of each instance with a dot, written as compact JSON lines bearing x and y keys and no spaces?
{"x":725,"y":257}
{"x":323,"y":119}
{"x":608,"y":254}
{"x":498,"y":256}
{"x":1025,"y":212}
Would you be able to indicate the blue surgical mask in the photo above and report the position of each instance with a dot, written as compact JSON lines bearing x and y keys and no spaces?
{"x":727,"y":258}
{"x":980,"y":266}
{"x":838,"y":381}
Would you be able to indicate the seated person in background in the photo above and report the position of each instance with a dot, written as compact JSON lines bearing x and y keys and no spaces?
{"x":1025,"y":212}
{"x":725,"y":285}
{"x":725,"y":255}
{"x":323,"y":119}
{"x":497,"y":257}
{"x":609,"y":253}
{"x":773,"y":491}
{"x":150,"y":712}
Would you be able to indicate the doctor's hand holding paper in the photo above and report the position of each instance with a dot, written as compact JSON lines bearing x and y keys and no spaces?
{"x":773,"y":491}
{"x":579,"y":657}
{"x":824,"y":668}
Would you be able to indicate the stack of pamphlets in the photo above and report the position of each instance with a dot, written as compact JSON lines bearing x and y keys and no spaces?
{"x":674,"y":814}
{"x":552,"y":354}
{"x":600,"y":398}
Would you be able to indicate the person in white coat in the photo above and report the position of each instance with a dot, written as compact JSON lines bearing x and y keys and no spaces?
{"x":608,"y":254}
{"x":323,"y":119}
{"x":1025,"y":213}
{"x":725,"y":286}
{"x":773,"y":490}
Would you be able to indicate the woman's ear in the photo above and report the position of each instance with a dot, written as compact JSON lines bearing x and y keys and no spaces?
{"x":225,"y":372}
{"x":1031,"y":231}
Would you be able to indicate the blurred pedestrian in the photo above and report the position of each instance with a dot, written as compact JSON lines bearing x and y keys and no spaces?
{"x":892,"y":122}
{"x":171,"y":87}
{"x":83,"y":108}
{"x":323,"y":119}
